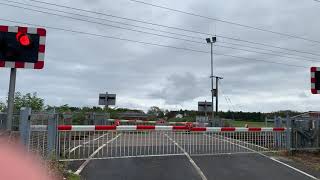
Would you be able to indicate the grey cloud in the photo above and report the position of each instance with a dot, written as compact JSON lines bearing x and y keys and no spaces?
{"x":180,"y":88}
{"x":78,"y":67}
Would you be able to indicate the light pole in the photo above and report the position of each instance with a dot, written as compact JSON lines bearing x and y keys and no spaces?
{"x":211,"y":41}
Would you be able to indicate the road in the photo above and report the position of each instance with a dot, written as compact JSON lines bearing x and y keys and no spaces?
{"x":238,"y":162}
{"x":222,"y":167}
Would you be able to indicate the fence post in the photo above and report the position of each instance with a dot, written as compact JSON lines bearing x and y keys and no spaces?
{"x":52,"y":136}
{"x":288,"y":134}
{"x":317,"y":129}
{"x":24,"y":125}
{"x":277,"y":121}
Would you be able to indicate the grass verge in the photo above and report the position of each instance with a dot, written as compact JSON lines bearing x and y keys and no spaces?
{"x":71,"y":176}
{"x":234,"y":123}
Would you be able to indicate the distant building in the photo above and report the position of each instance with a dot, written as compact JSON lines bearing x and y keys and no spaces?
{"x":179,"y":116}
{"x":133,"y":115}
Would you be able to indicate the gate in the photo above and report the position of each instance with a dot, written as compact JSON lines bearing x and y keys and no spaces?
{"x":94,"y":142}
{"x":44,"y":136}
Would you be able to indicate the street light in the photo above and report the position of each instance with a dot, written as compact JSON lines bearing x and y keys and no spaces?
{"x":211,"y":41}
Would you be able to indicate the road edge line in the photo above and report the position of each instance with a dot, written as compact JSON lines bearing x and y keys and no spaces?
{"x":275,"y":160}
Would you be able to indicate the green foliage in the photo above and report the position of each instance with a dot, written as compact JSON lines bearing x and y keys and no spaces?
{"x":63,"y":108}
{"x":156,"y":111}
{"x":184,"y":119}
{"x":78,"y":118}
{"x":250,"y":116}
{"x":60,"y":169}
{"x":28,"y":100}
{"x":72,"y":176}
{"x":238,"y":123}
{"x":2,"y":107}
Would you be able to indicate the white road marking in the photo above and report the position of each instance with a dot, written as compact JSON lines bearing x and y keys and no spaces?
{"x":298,"y":170}
{"x":73,"y":149}
{"x":273,"y":159}
{"x":125,"y":157}
{"x":199,"y":171}
{"x":93,"y":154}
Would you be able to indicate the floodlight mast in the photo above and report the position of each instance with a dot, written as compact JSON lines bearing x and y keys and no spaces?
{"x":211,"y":41}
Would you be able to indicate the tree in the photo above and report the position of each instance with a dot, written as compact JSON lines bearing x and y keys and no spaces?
{"x":2,"y":107}
{"x":63,"y":108}
{"x":156,"y":111}
{"x":28,"y":100}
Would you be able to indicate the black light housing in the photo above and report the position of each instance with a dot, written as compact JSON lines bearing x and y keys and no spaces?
{"x":211,"y":40}
{"x":214,"y":39}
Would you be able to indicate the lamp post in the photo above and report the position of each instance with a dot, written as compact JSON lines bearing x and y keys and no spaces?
{"x":211,"y":41}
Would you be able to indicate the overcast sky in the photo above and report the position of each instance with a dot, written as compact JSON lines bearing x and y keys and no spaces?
{"x":78,"y":67}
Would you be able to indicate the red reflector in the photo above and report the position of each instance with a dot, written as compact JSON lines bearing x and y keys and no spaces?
{"x":103,"y":127}
{"x":228,"y":129}
{"x":254,"y":129}
{"x":198,"y":129}
{"x":64,"y":127}
{"x":279,"y":129}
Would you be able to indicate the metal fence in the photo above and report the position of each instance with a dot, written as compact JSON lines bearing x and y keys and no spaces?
{"x":15,"y":121}
{"x":38,"y":134}
{"x":306,"y":131}
{"x":69,"y":142}
{"x":82,"y":142}
{"x":3,"y":121}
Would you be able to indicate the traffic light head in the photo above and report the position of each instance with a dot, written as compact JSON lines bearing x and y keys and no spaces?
{"x":22,"y":47}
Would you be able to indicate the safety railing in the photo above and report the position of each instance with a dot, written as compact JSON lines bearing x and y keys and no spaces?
{"x":82,"y":142}
{"x":3,"y":121}
{"x":38,"y":134}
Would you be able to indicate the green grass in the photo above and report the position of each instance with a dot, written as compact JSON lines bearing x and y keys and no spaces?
{"x":234,"y":123}
{"x":72,"y":176}
{"x":184,"y":119}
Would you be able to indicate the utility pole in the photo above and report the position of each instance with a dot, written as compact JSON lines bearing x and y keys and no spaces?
{"x":211,"y":41}
{"x":205,"y":109}
{"x":217,"y":93}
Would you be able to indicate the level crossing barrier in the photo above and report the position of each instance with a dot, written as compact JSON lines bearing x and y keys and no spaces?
{"x":82,"y":142}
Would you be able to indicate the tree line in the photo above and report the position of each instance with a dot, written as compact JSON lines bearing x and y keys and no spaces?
{"x":37,"y":104}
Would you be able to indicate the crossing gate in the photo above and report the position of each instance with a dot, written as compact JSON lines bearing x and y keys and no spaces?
{"x":94,"y":142}
{"x":44,"y":136}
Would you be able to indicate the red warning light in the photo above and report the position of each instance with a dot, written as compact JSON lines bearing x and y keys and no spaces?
{"x":23,"y":39}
